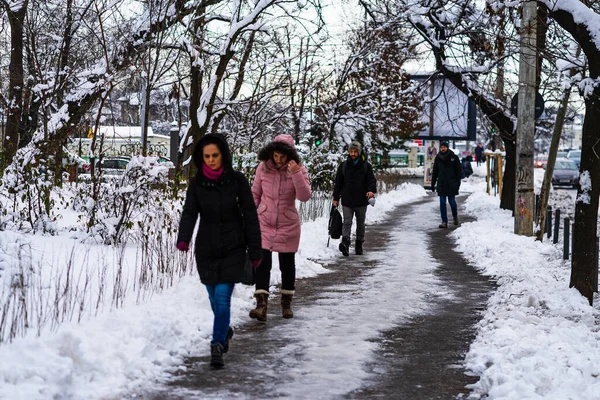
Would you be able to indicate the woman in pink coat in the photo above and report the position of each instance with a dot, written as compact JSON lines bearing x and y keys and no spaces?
{"x":280,"y":180}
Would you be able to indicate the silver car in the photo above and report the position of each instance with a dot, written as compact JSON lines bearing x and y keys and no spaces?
{"x":575,"y":155}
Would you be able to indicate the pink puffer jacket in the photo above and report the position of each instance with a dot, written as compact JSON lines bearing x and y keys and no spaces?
{"x":275,"y":192}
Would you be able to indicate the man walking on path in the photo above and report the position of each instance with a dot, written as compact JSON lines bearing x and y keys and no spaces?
{"x":446,"y":173}
{"x":479,"y":153}
{"x":356,"y":185}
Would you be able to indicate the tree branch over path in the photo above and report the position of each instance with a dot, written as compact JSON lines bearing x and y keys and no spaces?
{"x":434,"y":32}
{"x":92,"y":82}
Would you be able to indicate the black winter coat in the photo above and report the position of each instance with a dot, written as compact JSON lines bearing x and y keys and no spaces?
{"x":224,"y":233}
{"x":228,"y":221}
{"x":446,"y":173}
{"x":352,"y":182}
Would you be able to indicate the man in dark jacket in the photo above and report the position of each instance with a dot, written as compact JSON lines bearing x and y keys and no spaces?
{"x":479,"y":154}
{"x":355,"y":184}
{"x":467,"y":169}
{"x":446,"y":173}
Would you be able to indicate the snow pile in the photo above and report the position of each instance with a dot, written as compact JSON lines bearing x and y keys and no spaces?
{"x":538,"y":339}
{"x":137,"y":344}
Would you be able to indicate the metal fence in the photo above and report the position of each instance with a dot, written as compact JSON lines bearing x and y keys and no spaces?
{"x":553,"y":226}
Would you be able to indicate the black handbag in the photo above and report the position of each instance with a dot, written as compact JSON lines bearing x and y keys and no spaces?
{"x":335,"y":223}
{"x":249,"y":275}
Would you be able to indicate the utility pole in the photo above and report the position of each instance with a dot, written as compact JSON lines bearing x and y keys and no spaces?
{"x":524,"y":197}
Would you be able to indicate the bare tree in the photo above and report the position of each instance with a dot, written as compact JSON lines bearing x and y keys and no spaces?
{"x":16,"y":12}
{"x":93,"y":81}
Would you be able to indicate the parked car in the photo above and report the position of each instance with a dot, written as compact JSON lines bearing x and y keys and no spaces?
{"x":114,"y":165}
{"x":110,"y":165}
{"x":541,"y":161}
{"x":575,"y":155}
{"x":565,"y":173}
{"x":561,"y":154}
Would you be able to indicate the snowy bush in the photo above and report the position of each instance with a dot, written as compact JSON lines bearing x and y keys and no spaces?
{"x":322,"y":163}
{"x":112,"y":207}
{"x":27,"y":197}
{"x":80,"y":282}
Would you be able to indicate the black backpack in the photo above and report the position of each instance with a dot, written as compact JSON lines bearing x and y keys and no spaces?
{"x":335,"y":223}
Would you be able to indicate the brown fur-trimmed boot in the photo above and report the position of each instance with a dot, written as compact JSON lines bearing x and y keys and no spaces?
{"x":262,"y":300}
{"x":286,"y":304}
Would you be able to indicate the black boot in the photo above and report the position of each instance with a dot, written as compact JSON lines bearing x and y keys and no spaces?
{"x":456,"y":222}
{"x":216,"y":356}
{"x":229,"y":336}
{"x":358,"y":247}
{"x":345,"y":246}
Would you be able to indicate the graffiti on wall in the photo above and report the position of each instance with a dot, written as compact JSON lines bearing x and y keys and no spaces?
{"x":118,"y":148}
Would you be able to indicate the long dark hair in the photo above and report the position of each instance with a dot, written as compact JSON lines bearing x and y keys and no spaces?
{"x":220,"y":142}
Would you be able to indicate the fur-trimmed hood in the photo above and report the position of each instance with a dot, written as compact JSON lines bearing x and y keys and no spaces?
{"x":283,"y":144}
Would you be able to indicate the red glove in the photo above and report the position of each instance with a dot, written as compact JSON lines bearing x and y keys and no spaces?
{"x":255,"y":263}
{"x":183,"y":246}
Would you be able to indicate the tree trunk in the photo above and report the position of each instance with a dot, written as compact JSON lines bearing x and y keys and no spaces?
{"x":509,"y":179}
{"x":146,"y":117}
{"x":15,"y":89}
{"x":545,"y":190}
{"x":584,"y":265}
{"x":585,"y":258}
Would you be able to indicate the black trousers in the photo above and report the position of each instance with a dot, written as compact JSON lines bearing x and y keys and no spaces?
{"x":287,"y":265}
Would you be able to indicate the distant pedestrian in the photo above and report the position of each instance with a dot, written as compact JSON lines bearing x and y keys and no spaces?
{"x":228,"y":230}
{"x":446,"y":174}
{"x":479,"y":154}
{"x":280,"y":180}
{"x":355,"y":185}
{"x":431,"y":151}
{"x":467,"y":169}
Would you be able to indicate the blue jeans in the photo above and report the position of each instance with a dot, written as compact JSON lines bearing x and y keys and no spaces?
{"x":452,"y":201}
{"x":220,"y":302}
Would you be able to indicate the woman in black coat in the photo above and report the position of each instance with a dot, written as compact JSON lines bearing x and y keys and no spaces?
{"x":228,"y":230}
{"x":446,"y":173}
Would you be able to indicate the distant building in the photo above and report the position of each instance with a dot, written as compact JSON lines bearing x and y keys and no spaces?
{"x":121,"y":141}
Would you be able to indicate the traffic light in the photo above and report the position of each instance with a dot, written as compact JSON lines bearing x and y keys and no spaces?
{"x":317,"y":133}
{"x":493,"y":128}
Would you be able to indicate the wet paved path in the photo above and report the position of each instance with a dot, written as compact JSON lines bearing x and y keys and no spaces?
{"x":361,"y":308}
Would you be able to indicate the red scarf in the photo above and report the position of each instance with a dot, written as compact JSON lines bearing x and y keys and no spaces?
{"x":211,"y":174}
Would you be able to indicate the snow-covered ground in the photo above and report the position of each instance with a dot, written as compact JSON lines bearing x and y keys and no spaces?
{"x":123,"y":348}
{"x":538,"y":339}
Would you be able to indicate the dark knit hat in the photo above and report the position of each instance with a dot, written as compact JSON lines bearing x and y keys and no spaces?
{"x":444,"y":143}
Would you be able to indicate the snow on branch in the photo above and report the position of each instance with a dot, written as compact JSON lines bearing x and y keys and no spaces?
{"x":581,"y":15}
{"x":28,"y":176}
{"x":239,"y":24}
